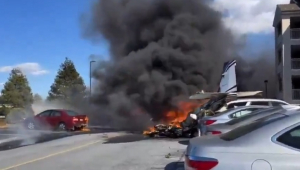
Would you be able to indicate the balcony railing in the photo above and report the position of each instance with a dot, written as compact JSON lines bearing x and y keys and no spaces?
{"x":295,"y":33}
{"x":295,"y":63}
{"x":296,"y":94}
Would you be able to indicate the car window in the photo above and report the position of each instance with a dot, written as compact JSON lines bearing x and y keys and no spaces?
{"x":278,"y":103}
{"x":71,"y":113}
{"x":245,"y":129}
{"x":260,"y":103}
{"x":221,"y":113}
{"x":253,"y":114}
{"x":55,"y":113}
{"x":44,"y":113}
{"x":234,"y":105}
{"x":291,"y":138}
{"x":242,"y":112}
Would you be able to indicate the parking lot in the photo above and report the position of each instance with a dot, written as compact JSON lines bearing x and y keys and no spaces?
{"x":108,"y":151}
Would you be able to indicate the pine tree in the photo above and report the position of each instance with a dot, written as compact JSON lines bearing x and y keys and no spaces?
{"x":16,"y":90}
{"x":68,"y":84}
{"x":37,"y":98}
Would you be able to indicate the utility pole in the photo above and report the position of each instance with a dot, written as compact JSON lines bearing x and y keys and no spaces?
{"x":266,"y":86}
{"x":91,"y":77}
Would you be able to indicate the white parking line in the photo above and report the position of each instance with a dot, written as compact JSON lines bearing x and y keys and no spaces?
{"x":8,"y":140}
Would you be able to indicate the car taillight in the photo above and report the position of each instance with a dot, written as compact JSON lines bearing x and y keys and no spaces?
{"x":75,"y":119}
{"x":216,"y":132}
{"x":209,"y":122}
{"x":206,"y":164}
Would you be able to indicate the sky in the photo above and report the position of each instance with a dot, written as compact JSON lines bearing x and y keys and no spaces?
{"x":37,"y":35}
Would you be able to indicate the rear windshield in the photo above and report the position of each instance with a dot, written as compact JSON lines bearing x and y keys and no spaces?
{"x":243,"y":130}
{"x":72,"y":113}
{"x":260,"y":111}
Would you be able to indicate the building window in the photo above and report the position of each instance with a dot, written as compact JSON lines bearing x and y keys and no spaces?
{"x":295,"y":56}
{"x":279,"y":56}
{"x":295,"y":27}
{"x":296,"y":87}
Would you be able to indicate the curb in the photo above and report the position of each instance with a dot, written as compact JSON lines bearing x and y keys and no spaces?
{"x":4,"y":127}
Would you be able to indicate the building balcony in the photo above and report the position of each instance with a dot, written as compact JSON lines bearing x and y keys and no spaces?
{"x":295,"y":63}
{"x":296,"y":94}
{"x":295,"y":33}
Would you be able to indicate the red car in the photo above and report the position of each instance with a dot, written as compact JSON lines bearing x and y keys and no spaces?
{"x":57,"y":119}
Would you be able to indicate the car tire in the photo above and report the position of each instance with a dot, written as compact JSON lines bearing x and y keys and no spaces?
{"x":195,"y":133}
{"x":30,"y":126}
{"x":78,"y":128}
{"x":62,"y":127}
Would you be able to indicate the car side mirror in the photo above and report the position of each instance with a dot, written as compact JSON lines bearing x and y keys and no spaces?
{"x":193,"y":116}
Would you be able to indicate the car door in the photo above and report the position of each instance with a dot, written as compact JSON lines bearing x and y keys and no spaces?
{"x":42,"y":119}
{"x":55,"y":118}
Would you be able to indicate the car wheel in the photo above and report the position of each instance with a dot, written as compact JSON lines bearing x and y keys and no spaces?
{"x":62,"y":127}
{"x":30,"y":126}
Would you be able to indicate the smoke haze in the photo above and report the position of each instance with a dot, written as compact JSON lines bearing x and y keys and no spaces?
{"x":161,"y":51}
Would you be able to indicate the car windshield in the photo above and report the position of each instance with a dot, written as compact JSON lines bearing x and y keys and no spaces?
{"x":245,"y":129}
{"x":253,"y":114}
{"x":72,"y":113}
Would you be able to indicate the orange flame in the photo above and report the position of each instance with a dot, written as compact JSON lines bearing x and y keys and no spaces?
{"x":176,"y":116}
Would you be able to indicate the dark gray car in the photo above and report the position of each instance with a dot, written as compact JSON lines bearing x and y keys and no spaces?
{"x":226,"y":116}
{"x":228,"y":126}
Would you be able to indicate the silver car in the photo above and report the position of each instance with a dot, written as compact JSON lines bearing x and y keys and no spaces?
{"x":270,"y":143}
{"x":226,"y":116}
{"x":226,"y":127}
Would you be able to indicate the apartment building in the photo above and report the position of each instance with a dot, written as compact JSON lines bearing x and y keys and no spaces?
{"x":287,"y":51}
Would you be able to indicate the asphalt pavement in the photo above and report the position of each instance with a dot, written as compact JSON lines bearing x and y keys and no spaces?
{"x":105,"y":151}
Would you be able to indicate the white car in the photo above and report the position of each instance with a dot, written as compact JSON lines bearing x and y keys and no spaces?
{"x":257,"y":102}
{"x":270,"y":143}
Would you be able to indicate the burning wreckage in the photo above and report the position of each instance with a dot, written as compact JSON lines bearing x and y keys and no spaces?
{"x":189,"y":126}
{"x":213,"y":103}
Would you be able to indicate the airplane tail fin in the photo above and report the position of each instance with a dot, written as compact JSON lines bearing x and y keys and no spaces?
{"x":228,"y":80}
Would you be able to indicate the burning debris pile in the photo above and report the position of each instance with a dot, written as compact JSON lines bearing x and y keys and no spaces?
{"x":184,"y":125}
{"x":172,"y":121}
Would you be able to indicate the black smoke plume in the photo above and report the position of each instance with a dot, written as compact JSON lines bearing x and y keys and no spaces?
{"x":161,"y":51}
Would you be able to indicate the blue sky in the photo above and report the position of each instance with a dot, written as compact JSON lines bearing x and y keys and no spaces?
{"x":47,"y":31}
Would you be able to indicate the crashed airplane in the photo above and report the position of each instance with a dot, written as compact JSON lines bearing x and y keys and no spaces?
{"x":216,"y":102}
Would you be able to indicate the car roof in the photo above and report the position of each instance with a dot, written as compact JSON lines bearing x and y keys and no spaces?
{"x":256,"y":99}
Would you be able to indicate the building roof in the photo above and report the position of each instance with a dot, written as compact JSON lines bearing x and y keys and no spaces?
{"x":288,"y":7}
{"x":282,"y":9}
